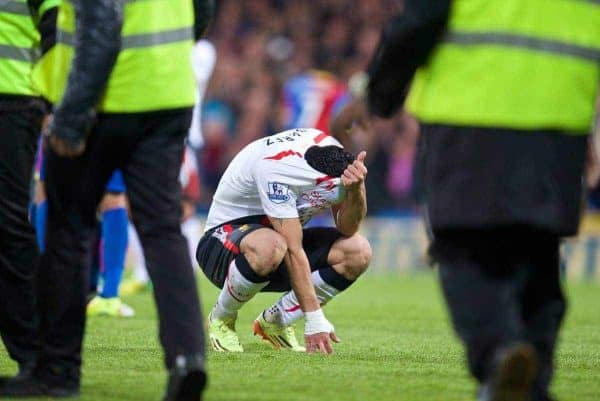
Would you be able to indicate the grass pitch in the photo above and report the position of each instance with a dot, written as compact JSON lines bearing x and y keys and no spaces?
{"x":396,"y":345}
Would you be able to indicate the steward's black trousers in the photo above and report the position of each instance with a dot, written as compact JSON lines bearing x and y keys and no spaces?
{"x":502,"y":286}
{"x":497,"y":203}
{"x":148,"y":148}
{"x":19,"y":131}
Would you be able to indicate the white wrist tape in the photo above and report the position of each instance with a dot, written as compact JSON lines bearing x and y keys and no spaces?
{"x":316,"y":323}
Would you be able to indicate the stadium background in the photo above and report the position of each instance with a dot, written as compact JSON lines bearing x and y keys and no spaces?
{"x":397,"y":342}
{"x":263,"y":43}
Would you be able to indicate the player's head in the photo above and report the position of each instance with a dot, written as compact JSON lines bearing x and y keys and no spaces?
{"x":331,"y":160}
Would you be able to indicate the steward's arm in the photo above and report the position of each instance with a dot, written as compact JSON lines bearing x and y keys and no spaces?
{"x":203,"y":13}
{"x":97,"y":42}
{"x":405,"y":45}
{"x":44,"y":14}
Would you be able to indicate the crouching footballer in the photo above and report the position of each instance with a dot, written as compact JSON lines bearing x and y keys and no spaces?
{"x":255,"y":241}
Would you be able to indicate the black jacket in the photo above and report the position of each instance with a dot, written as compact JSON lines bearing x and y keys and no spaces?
{"x":97,"y":45}
{"x":405,"y":45}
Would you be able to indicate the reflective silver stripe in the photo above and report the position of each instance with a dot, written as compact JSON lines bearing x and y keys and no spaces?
{"x":18,"y":53}
{"x":14,"y":7}
{"x":140,"y":40}
{"x":66,"y":38}
{"x":157,"y":38}
{"x":523,"y":41}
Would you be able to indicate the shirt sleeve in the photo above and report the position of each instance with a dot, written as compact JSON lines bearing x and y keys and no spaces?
{"x":406,"y":43}
{"x":278,"y":199}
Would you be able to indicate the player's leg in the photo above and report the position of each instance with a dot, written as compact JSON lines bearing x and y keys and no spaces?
{"x":543,"y":308}
{"x":40,"y":212}
{"x":336,"y":261}
{"x":139,"y":280}
{"x":192,"y":230}
{"x":190,"y":183}
{"x":238,"y":259}
{"x":40,"y":204}
{"x":113,"y":246}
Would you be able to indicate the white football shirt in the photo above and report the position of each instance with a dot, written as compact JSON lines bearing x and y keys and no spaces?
{"x":271,"y":177}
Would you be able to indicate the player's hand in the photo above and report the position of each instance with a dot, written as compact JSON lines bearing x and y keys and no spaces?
{"x":318,"y":332}
{"x":320,"y":342}
{"x":355,"y":173}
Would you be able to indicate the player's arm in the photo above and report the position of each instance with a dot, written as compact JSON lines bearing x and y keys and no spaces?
{"x":297,"y":262}
{"x":349,"y":214}
{"x":97,"y":44}
{"x":318,"y":331}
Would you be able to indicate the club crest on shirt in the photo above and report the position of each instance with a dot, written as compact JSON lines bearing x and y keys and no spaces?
{"x":278,"y":192}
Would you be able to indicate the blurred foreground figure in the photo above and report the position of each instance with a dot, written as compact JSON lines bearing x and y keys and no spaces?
{"x":505,"y":93}
{"x":124,"y":90}
{"x":25,"y":34}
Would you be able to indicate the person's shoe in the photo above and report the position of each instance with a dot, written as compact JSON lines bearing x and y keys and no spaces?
{"x":277,"y":336}
{"x":187,"y":379}
{"x":21,"y":387}
{"x":222,"y":335}
{"x":513,"y":379}
{"x":113,"y":307}
{"x":31,"y":386}
{"x":132,"y":286}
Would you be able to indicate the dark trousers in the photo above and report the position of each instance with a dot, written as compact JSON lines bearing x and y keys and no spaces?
{"x":502,"y":286}
{"x":148,"y":147}
{"x":19,"y":131}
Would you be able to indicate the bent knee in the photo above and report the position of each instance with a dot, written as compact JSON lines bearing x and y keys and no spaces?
{"x":362,"y":255}
{"x":112,"y":201}
{"x":264,"y":249}
{"x":355,"y":256}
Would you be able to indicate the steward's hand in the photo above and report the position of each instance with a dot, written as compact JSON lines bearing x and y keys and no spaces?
{"x":352,"y":120}
{"x":65,"y":141}
{"x":66,"y":148}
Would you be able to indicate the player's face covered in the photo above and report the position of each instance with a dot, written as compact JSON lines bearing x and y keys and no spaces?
{"x":331,"y":160}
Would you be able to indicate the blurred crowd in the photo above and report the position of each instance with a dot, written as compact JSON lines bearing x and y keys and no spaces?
{"x":263,"y":43}
{"x":260,"y":45}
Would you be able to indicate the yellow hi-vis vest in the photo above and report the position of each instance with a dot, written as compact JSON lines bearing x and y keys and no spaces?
{"x":153,"y":70}
{"x":19,"y":41}
{"x":517,"y":64}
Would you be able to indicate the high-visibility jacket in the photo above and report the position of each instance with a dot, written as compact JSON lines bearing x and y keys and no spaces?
{"x":153,"y":69}
{"x":516,"y":64}
{"x":19,"y":45}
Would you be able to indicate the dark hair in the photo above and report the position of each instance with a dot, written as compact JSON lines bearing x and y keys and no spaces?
{"x":331,"y":160}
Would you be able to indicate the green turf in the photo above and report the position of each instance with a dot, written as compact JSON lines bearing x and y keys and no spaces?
{"x":397,"y":346}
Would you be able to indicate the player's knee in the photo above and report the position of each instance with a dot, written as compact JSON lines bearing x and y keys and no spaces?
{"x":359,"y":259}
{"x":112,"y":201}
{"x":264,"y":251}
